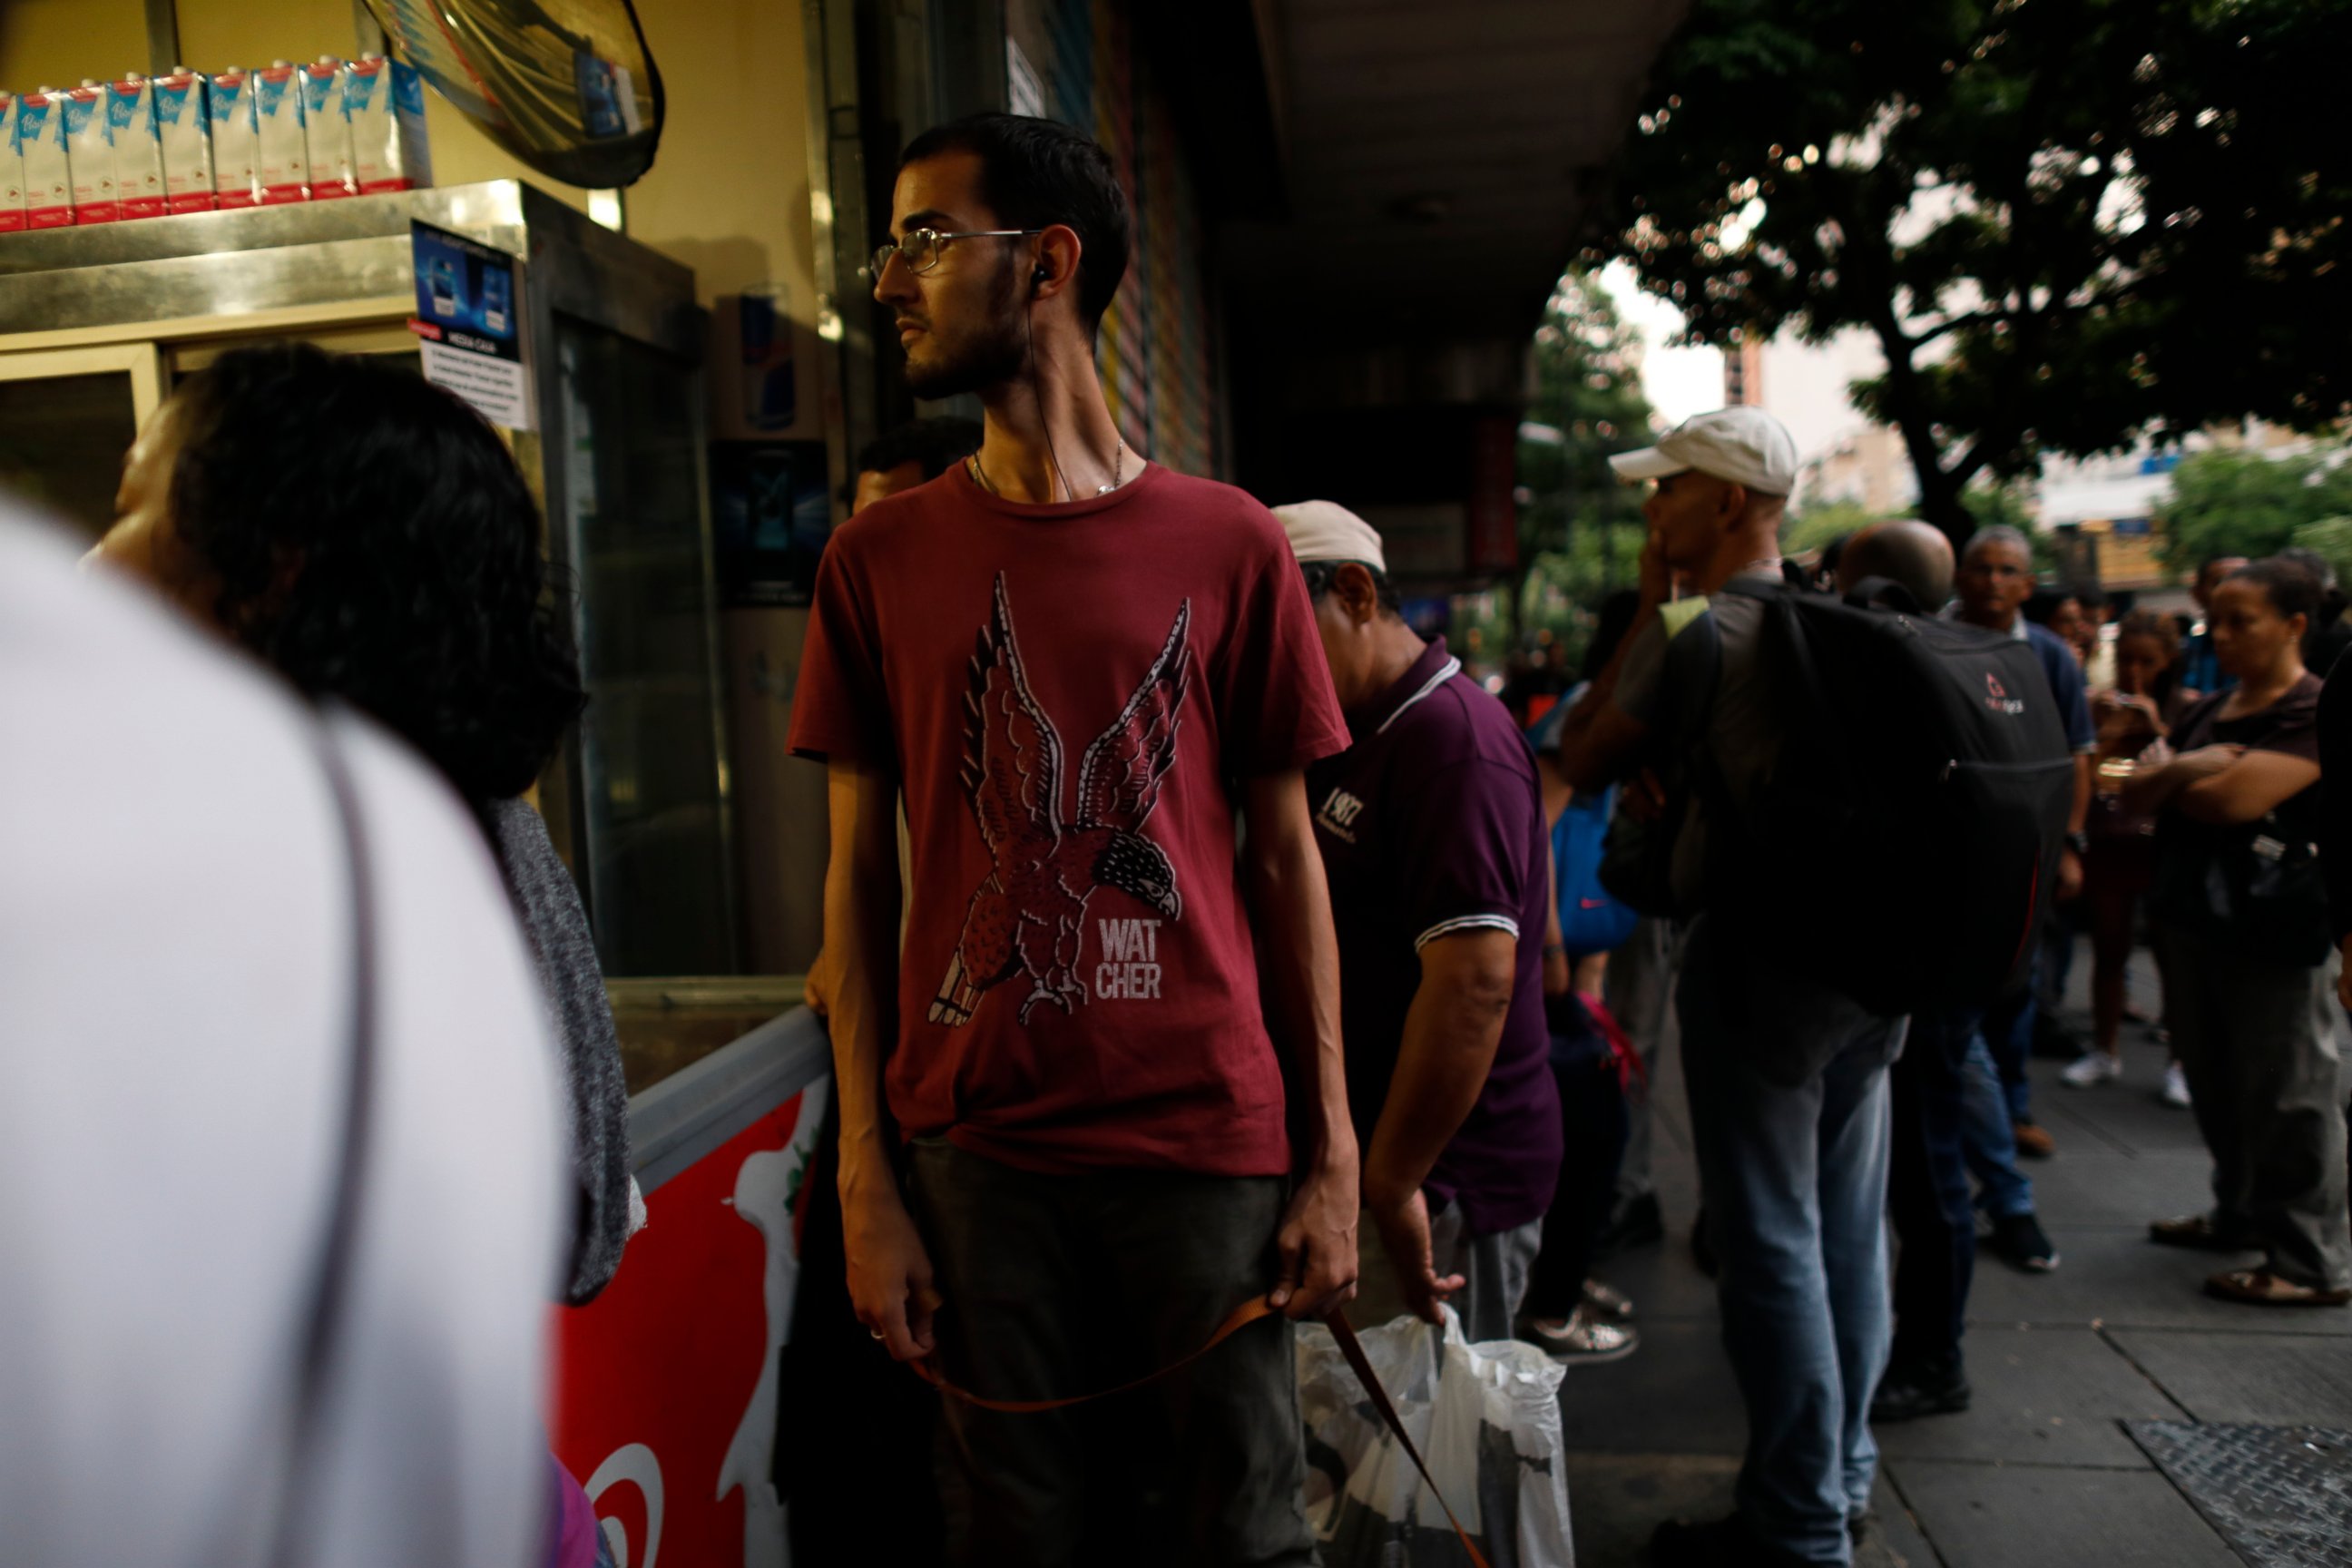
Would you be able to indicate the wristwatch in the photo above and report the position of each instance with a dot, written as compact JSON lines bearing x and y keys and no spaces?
{"x":2080,"y":843}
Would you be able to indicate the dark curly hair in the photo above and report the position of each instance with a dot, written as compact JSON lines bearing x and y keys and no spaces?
{"x":376,"y":543}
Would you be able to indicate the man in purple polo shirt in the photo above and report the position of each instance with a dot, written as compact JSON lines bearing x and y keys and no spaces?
{"x":1434,"y":840}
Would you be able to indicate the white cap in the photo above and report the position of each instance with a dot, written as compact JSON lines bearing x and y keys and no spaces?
{"x":1326,"y":531}
{"x":1746,"y":446}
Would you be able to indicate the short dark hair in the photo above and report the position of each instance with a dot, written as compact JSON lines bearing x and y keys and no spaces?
{"x":1321,"y":574}
{"x":1036,"y":173}
{"x":2152,"y":623}
{"x":2042,"y":604}
{"x":2291,"y":590}
{"x":938,"y":444}
{"x":417,"y":591}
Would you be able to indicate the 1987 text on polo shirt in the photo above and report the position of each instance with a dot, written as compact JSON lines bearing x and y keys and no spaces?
{"x":1028,"y":915}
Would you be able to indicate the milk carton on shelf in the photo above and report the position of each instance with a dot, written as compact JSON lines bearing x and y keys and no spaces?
{"x":89,"y":154}
{"x":282,"y":159}
{"x":12,"y":168}
{"x":138,"y":153}
{"x":183,"y":133}
{"x":383,"y":101}
{"x":41,"y":140}
{"x":325,"y":131}
{"x":237,"y":138}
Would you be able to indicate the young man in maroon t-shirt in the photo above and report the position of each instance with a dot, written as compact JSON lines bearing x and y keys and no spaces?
{"x":1066,"y":1146}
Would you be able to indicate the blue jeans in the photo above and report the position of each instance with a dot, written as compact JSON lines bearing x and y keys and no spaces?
{"x":1989,"y":1140}
{"x":1789,"y":1112}
{"x":2007,"y":1032}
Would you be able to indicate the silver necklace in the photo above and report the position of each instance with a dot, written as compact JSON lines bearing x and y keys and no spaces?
{"x":1118,"y":472}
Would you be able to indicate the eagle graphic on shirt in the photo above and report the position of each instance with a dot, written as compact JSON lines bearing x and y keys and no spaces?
{"x":1028,"y":915}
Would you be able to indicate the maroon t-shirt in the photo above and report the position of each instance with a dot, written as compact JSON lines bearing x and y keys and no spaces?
{"x":1067,"y":695}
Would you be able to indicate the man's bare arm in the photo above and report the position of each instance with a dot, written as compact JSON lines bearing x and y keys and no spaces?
{"x":1292,"y":906}
{"x":1451,"y":1034}
{"x":889,"y":1272}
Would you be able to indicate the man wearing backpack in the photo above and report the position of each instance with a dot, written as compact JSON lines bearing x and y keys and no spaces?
{"x":1434,"y":839}
{"x":1787,"y":1077}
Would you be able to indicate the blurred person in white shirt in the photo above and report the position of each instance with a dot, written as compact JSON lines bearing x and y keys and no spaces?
{"x":182,"y":940}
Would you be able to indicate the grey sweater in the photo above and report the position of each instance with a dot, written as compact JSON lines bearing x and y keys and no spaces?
{"x":573,"y":984}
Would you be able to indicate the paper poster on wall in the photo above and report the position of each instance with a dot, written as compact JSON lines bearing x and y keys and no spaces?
{"x":770,"y":517}
{"x":468,"y":306}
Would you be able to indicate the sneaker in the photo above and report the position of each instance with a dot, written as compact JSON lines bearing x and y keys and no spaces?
{"x":1584,"y":1338}
{"x":1718,"y":1543}
{"x":2176,"y":1086}
{"x":2019,"y":1239}
{"x":1908,"y":1392}
{"x":1638,"y":1224}
{"x":1608,"y":1301}
{"x":2091,"y":1069}
{"x":2033,"y":1140}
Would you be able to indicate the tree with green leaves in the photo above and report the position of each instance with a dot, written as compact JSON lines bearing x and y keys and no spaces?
{"x":1580,"y":527}
{"x":2233,"y":501}
{"x":2065,"y":222}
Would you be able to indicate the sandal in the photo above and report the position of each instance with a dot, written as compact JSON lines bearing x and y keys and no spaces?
{"x":2198,"y":1230}
{"x":2260,"y":1287}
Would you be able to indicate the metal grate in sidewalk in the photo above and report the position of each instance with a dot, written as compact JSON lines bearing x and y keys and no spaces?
{"x":2281,"y":1496}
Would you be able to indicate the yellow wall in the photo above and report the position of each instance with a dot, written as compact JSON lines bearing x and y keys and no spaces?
{"x":729,"y":192}
{"x":56,"y":43}
{"x":728,"y":196}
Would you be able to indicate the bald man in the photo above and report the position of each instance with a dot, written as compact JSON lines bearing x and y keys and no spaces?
{"x":1913,"y":554}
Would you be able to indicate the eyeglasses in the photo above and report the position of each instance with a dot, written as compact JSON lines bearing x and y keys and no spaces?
{"x":920,"y":247}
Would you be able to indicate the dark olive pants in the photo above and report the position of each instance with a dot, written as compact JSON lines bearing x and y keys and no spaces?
{"x":2257,"y":1041}
{"x":1056,"y":1285}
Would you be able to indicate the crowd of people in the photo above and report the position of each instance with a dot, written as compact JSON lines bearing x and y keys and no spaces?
{"x":1310,"y":978}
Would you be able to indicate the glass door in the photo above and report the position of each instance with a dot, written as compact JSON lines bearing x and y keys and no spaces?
{"x":68,"y":416}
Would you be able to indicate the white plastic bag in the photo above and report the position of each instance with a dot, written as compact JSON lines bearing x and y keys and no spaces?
{"x":1484,"y":1416}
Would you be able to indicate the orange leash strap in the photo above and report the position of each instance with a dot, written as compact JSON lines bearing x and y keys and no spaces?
{"x":1240,"y":1317}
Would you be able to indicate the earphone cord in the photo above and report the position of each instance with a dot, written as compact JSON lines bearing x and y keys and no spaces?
{"x":1038,"y":397}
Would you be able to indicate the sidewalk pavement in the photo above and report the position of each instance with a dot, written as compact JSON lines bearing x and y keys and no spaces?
{"x":2041,"y":1469}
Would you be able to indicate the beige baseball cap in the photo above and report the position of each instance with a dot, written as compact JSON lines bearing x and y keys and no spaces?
{"x":1326,"y":531}
{"x":1746,"y":446}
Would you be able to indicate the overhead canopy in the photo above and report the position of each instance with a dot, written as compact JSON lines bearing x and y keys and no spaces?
{"x":1440,"y":157}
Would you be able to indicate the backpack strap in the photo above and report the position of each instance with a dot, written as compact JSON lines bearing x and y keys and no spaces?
{"x":1694,"y":666}
{"x":1800,"y":691}
{"x":322,"y":1326}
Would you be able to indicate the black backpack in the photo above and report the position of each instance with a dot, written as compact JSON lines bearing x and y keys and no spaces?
{"x":1902,"y":846}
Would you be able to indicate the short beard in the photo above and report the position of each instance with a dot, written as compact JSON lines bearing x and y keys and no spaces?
{"x":994,"y":355}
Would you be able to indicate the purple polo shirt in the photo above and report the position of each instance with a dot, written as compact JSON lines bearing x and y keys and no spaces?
{"x":1432,"y":822}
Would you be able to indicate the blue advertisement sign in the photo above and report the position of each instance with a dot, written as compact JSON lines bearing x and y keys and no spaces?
{"x":467,"y":295}
{"x":468,"y":290}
